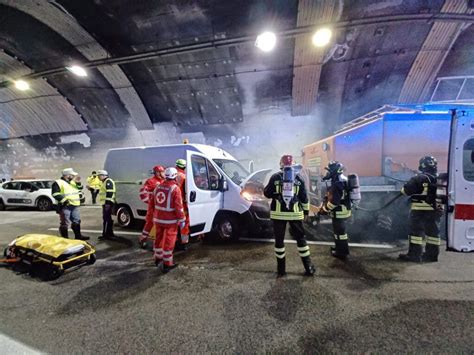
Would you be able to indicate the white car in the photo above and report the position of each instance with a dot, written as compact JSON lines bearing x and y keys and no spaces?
{"x":27,"y":193}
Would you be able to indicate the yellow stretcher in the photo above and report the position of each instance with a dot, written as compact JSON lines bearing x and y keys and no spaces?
{"x":48,"y":255}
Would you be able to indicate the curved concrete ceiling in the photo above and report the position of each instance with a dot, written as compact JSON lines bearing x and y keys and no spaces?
{"x":56,"y":17}
{"x":25,"y":113}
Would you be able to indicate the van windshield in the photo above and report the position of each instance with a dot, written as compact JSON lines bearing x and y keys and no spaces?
{"x":232,"y":169}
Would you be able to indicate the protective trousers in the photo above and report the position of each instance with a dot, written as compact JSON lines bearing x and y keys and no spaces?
{"x":107,"y":222}
{"x":69,"y":216}
{"x":279,"y":228}
{"x":184,"y":232}
{"x":164,"y":243}
{"x":94,"y":194}
{"x":424,"y":224}
{"x":341,"y":240}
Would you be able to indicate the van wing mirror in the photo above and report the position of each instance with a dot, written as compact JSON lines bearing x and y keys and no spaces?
{"x":223,"y":184}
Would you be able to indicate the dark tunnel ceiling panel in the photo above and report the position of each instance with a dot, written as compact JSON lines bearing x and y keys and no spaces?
{"x":93,"y":97}
{"x":360,"y":9}
{"x":188,"y":89}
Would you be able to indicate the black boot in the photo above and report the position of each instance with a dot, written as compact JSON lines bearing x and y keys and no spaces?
{"x":76,"y":228}
{"x":310,"y":269}
{"x":341,"y":249}
{"x":63,"y":231}
{"x":168,"y":268}
{"x":413,"y":255}
{"x":431,"y":253}
{"x":281,"y":267}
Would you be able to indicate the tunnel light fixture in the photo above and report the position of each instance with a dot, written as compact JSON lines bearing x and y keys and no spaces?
{"x":77,"y":70}
{"x":21,"y":85}
{"x":266,"y":41}
{"x":322,"y":37}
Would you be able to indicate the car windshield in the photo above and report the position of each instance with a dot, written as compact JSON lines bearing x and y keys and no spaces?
{"x":232,"y":169}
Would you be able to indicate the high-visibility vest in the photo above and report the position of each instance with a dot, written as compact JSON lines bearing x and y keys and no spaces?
{"x":103,"y":192}
{"x":94,"y":182}
{"x":70,"y":192}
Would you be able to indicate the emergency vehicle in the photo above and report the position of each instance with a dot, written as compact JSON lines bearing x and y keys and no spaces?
{"x":383,"y":147}
{"x":222,"y":196}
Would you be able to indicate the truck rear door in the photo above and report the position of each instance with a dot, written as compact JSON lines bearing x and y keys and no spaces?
{"x":461,"y":184}
{"x":203,"y":196}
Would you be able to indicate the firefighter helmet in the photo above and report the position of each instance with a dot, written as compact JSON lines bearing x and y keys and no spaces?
{"x":334,"y":168}
{"x":286,"y":160}
{"x":158,"y":169}
{"x":181,"y":163}
{"x":171,"y":173}
{"x":428,"y":164}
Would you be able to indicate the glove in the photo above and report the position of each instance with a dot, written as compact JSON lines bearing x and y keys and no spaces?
{"x":181,"y":224}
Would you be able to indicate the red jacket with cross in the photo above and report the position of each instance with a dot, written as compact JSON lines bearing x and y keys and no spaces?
{"x":148,"y":187}
{"x":165,"y":206}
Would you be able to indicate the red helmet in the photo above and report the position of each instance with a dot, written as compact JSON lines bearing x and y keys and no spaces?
{"x":158,"y":169}
{"x":286,"y":160}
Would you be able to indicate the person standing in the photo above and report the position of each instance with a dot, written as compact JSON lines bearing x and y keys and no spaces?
{"x":289,"y":205}
{"x":338,"y":206}
{"x":425,"y":213}
{"x":145,"y":194}
{"x":93,"y":185}
{"x":67,"y":191}
{"x":181,"y":181}
{"x":166,"y":206}
{"x":107,"y":200}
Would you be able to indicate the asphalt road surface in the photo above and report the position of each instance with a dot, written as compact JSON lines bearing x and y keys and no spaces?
{"x":226,"y":298}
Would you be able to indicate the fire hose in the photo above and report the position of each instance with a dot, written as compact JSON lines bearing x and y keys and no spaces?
{"x":380,"y":208}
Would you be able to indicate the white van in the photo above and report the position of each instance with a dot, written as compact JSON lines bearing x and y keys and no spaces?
{"x":222,"y":196}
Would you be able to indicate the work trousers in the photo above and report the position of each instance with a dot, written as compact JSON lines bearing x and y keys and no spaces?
{"x":69,"y":216}
{"x":341,"y":240}
{"x":164,"y":243}
{"x":424,"y":228}
{"x":184,"y":232}
{"x":107,"y":222}
{"x":94,"y":194}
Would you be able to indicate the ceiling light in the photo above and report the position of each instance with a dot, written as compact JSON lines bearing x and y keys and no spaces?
{"x":22,"y":85}
{"x":322,"y":37}
{"x":266,"y":41}
{"x":77,"y":70}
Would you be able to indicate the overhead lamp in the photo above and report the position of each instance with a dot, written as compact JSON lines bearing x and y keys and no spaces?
{"x":266,"y":41}
{"x":77,"y":70}
{"x":21,"y":85}
{"x":322,"y":37}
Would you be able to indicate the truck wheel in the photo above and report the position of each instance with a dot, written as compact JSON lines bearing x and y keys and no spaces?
{"x":124,"y":217}
{"x":44,"y":204}
{"x":227,"y":227}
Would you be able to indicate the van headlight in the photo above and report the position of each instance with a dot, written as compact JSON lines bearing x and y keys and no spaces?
{"x":251,"y":197}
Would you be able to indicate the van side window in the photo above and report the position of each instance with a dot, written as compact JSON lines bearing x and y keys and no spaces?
{"x":468,"y":160}
{"x":205,"y":174}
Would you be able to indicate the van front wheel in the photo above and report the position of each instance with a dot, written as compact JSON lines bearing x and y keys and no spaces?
{"x":227,"y":227}
{"x":124,"y":217}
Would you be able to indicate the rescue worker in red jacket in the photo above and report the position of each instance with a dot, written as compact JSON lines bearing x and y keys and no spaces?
{"x":145,"y":192}
{"x":292,"y":210}
{"x":181,"y":181}
{"x":165,"y":208}
{"x":337,"y":205}
{"x":425,"y":213}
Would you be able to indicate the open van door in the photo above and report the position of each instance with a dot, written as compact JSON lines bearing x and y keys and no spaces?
{"x":204,"y":192}
{"x":460,"y":216}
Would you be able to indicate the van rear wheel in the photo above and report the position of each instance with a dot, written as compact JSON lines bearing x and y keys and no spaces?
{"x":227,"y":227}
{"x":124,"y":217}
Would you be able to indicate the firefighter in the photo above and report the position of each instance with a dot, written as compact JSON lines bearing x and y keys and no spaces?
{"x":93,"y":185}
{"x":107,"y":200}
{"x":145,"y":193}
{"x":289,"y":204}
{"x":66,"y":191}
{"x":181,"y":181}
{"x":338,"y":206}
{"x":425,"y":213}
{"x":165,"y":208}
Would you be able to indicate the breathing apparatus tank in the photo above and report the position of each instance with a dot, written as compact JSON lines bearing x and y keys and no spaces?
{"x":287,"y":191}
{"x":354,"y":188}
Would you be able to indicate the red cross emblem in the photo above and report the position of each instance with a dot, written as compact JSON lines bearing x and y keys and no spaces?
{"x":160,"y":197}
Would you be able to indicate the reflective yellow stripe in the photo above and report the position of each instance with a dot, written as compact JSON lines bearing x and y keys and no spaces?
{"x":345,"y":213}
{"x":304,"y":254}
{"x":305,"y":206}
{"x":330,"y":205}
{"x":433,"y":240}
{"x":289,"y":216}
{"x":342,"y":237}
{"x":280,"y":256}
{"x":403,"y":191}
{"x":303,"y":248}
{"x":280,"y":250}
{"x":416,"y":240}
